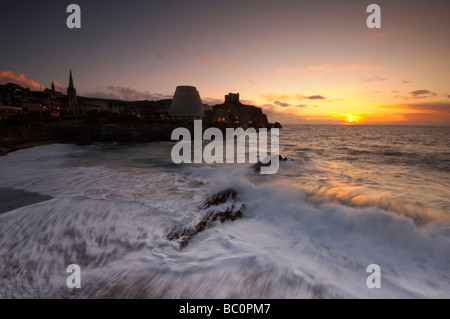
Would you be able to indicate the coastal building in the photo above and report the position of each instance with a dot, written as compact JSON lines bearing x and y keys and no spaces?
{"x":7,"y":111}
{"x":92,"y":105}
{"x":186,"y":104}
{"x":51,"y":100}
{"x":32,"y":103}
{"x":12,"y":94}
{"x":221,"y":116}
{"x":116,"y":108}
{"x":233,"y":112}
{"x":232,"y":98}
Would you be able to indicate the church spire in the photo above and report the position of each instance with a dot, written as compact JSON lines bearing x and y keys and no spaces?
{"x":70,"y":80}
{"x":72,"y":97}
{"x":53,"y":86}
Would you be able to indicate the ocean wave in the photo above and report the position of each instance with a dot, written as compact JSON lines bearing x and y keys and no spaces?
{"x":112,"y":218}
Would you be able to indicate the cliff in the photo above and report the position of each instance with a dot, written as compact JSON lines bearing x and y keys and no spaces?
{"x":237,"y":113}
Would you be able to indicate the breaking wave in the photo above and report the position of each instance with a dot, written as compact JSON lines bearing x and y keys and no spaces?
{"x":305,"y":233}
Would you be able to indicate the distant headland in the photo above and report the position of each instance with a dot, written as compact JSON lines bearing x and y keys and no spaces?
{"x":31,"y":117}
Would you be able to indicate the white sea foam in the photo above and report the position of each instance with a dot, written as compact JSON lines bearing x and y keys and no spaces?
{"x":114,"y":205}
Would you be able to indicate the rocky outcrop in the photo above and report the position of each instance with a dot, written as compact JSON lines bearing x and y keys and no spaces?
{"x":241,"y":114}
{"x":183,"y":235}
{"x":257,"y":166}
{"x":276,"y":125}
{"x":219,"y":198}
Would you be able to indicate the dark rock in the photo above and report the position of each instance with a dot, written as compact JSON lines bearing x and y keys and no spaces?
{"x":175,"y":234}
{"x":185,"y":241}
{"x":210,"y":218}
{"x":219,"y":198}
{"x":277,"y":125}
{"x":257,"y":166}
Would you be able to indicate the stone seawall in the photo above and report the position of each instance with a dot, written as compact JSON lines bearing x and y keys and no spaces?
{"x":24,"y":134}
{"x":81,"y":134}
{"x":17,"y":137}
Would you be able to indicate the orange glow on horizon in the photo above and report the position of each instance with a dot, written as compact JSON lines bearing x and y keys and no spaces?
{"x":350,"y":118}
{"x":351,"y":111}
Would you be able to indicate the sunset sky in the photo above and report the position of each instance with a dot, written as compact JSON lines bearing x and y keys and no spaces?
{"x":301,"y":61}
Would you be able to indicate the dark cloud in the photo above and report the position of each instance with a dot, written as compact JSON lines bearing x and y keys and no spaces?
{"x":406,"y":81}
{"x":212,"y":101}
{"x":269,"y":105}
{"x":315,"y":97}
{"x":434,"y":107}
{"x":422,"y":93}
{"x":419,"y":92}
{"x":126,"y":93}
{"x":281,"y":104}
{"x":448,"y":96}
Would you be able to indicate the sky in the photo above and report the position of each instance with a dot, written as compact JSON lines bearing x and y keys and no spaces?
{"x":306,"y":62}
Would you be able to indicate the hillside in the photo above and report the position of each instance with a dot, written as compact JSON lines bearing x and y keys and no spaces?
{"x":241,"y":113}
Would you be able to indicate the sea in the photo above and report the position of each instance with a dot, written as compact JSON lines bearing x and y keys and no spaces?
{"x":347,"y":197}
